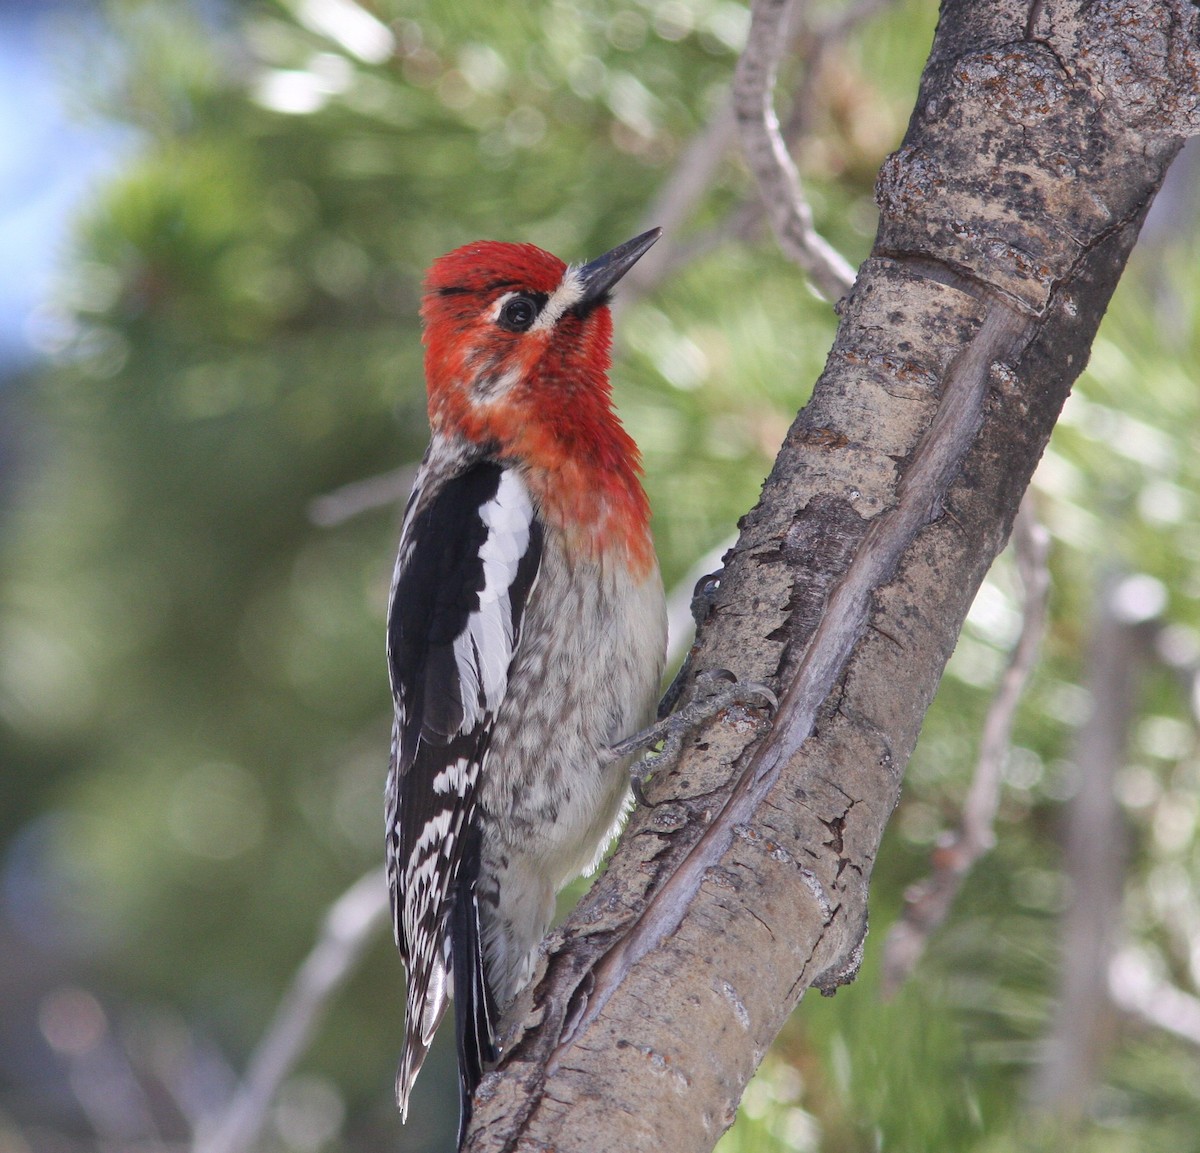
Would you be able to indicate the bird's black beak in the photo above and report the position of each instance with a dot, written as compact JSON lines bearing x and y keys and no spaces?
{"x":598,"y":276}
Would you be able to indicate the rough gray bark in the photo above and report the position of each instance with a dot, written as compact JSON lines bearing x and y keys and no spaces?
{"x":1040,"y":135}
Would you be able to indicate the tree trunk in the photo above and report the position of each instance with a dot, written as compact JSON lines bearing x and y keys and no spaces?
{"x":1040,"y":135}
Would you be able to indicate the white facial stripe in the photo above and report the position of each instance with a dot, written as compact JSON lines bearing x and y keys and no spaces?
{"x":493,"y":313}
{"x":564,"y":298}
{"x":568,"y":294}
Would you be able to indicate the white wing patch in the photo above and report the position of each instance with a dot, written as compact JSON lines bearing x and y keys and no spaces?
{"x":483,"y":650}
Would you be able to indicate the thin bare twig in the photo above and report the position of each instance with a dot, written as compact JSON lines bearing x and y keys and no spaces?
{"x":1136,"y":988}
{"x":839,"y":26}
{"x":701,"y":159}
{"x":351,"y":500}
{"x":350,"y":924}
{"x":674,"y":204}
{"x":928,"y":903}
{"x":767,"y":155}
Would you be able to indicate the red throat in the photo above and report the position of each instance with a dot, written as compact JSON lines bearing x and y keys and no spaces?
{"x":583,"y":465}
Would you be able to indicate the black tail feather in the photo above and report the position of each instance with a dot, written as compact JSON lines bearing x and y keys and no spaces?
{"x":474,"y":1005}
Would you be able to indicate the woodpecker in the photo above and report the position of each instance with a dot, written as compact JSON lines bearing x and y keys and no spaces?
{"x":526,"y":633}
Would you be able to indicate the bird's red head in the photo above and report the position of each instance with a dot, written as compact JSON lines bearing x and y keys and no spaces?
{"x":517,"y":351}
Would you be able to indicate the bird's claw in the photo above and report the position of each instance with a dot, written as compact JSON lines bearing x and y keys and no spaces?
{"x":735,"y":692}
{"x":712,"y":692}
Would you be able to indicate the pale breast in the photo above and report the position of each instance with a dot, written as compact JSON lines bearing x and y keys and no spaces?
{"x":586,"y":674}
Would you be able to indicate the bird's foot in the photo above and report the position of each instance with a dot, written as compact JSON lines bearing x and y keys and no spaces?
{"x":712,"y":692}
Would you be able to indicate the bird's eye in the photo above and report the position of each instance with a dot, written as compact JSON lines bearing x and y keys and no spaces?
{"x":518,"y":314}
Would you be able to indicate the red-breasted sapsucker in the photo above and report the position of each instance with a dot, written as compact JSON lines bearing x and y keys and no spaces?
{"x":526,"y":632}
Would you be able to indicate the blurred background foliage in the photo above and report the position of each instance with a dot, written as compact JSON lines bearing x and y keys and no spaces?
{"x":201,"y":502}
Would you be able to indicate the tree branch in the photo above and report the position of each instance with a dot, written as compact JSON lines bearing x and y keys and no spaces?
{"x":351,"y":922}
{"x":702,"y":157}
{"x":920,"y":495}
{"x":767,"y":155}
{"x":351,"y":500}
{"x":744,"y":881}
{"x":1137,"y":989}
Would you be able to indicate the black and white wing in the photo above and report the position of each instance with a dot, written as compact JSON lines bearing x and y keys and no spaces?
{"x":469,"y":558}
